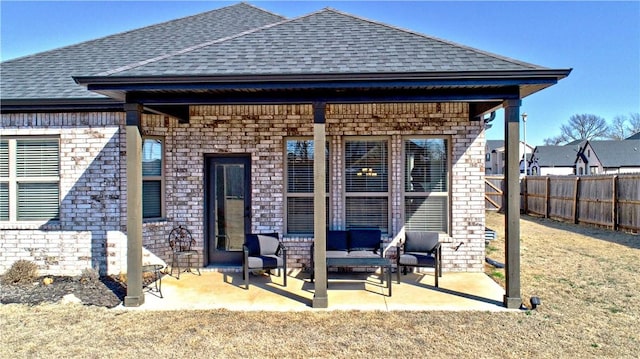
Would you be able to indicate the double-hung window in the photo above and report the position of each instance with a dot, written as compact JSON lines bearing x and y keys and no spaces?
{"x":299,"y":193}
{"x":29,"y":179}
{"x":426,"y":184}
{"x":152,"y":177}
{"x":367,"y":183}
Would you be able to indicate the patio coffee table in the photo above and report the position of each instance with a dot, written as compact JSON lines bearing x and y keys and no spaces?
{"x":384,"y":263}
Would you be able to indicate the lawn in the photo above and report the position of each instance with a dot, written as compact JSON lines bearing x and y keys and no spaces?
{"x":586,"y":278}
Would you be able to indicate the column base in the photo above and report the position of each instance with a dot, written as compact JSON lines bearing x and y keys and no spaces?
{"x":512,"y":302}
{"x":320,"y":302}
{"x":133,"y":301}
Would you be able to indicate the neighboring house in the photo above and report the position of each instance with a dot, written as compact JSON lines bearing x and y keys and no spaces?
{"x":554,"y":160}
{"x":495,"y":156}
{"x":602,"y":157}
{"x":216,"y":121}
{"x":635,"y":136}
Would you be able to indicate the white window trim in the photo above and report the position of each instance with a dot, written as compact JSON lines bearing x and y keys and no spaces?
{"x":387,"y":194}
{"x":447,"y":194}
{"x":14,"y":179}
{"x":288,"y":194}
{"x":161,"y":178}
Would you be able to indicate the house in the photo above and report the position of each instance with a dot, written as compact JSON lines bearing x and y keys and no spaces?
{"x":554,"y":160}
{"x":258,"y":124}
{"x":604,"y":157}
{"x":495,"y":156}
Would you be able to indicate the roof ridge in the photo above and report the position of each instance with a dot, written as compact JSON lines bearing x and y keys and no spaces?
{"x":199,"y":46}
{"x":486,"y":53}
{"x":82,"y":43}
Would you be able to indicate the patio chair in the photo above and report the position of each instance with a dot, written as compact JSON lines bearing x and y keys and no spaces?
{"x":419,"y":249}
{"x":263,"y":252}
{"x":180,"y":241}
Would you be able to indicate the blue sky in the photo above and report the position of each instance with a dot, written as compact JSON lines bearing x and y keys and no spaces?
{"x":599,"y":40}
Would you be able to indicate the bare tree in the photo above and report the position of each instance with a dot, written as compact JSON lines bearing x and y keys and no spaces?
{"x":618,"y":129}
{"x":584,"y":127}
{"x":555,"y":141}
{"x":634,"y":123}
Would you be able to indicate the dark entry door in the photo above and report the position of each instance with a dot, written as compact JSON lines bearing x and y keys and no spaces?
{"x":228,"y":212}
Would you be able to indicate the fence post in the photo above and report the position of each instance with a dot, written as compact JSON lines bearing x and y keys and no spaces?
{"x":614,"y":203}
{"x":526,"y":192}
{"x":576,"y":195}
{"x":547,"y":197}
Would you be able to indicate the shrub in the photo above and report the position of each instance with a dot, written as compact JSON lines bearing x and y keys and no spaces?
{"x":89,"y":275}
{"x":22,"y":271}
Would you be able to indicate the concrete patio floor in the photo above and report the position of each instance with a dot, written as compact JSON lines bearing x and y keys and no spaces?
{"x":347,"y":291}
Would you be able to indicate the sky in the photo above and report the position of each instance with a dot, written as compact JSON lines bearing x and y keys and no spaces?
{"x":600,"y":41}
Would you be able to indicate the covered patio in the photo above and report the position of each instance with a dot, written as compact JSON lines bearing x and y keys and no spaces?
{"x":347,"y":291}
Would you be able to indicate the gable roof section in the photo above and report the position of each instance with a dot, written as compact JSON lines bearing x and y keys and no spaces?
{"x":48,"y":75}
{"x":324,"y":42}
{"x":613,"y":154}
{"x":556,"y":156}
{"x":492,"y":145}
{"x":635,"y":136}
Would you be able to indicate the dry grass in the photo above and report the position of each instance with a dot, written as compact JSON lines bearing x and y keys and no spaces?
{"x":587,"y":279}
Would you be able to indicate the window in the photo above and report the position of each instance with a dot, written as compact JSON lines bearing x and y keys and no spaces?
{"x":426,"y":184}
{"x":367,"y":184}
{"x":29,"y":179}
{"x":299,"y":167}
{"x":152,"y":178}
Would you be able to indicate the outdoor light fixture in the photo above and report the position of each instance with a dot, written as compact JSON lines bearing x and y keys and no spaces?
{"x":535,"y":301}
{"x":369,"y":172}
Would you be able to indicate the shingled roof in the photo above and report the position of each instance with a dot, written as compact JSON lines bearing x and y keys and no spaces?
{"x":49,"y":75}
{"x":243,"y":48}
{"x":556,"y":156}
{"x":613,"y":154}
{"x":324,"y":42}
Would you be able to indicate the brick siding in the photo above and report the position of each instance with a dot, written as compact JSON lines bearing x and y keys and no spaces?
{"x":91,"y":230}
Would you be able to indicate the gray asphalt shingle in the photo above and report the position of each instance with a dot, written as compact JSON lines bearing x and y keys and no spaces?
{"x":49,"y":74}
{"x":617,"y":153}
{"x":556,"y":156}
{"x":326,"y":42}
{"x":243,"y":40}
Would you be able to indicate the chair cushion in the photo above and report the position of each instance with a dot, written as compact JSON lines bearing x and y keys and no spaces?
{"x":417,"y":259}
{"x":363,"y":254}
{"x":337,"y":241}
{"x":364,"y":239}
{"x":420,"y":241}
{"x":268,"y":245}
{"x":253,"y":244}
{"x":336,"y":254}
{"x":264,"y":262}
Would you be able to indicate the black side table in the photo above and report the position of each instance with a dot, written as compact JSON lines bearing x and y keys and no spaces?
{"x":154,"y":282}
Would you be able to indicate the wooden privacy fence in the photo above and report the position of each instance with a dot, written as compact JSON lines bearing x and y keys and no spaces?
{"x":606,"y":200}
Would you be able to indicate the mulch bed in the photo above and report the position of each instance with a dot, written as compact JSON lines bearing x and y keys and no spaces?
{"x":106,"y":291}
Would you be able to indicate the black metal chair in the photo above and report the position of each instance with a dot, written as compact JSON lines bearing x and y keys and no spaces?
{"x":180,"y":241}
{"x":419,"y":249}
{"x":263,"y":252}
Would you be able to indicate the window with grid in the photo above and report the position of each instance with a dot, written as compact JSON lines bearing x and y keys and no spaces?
{"x":152,"y":177}
{"x":367,"y":184}
{"x":29,"y":179}
{"x":426,"y":184}
{"x":299,"y":167}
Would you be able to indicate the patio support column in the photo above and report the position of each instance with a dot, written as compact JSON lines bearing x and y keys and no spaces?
{"x":512,"y":297}
{"x":135,"y":296}
{"x":320,"y":299}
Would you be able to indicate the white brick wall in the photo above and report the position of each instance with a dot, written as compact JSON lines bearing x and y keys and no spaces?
{"x":92,"y":226}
